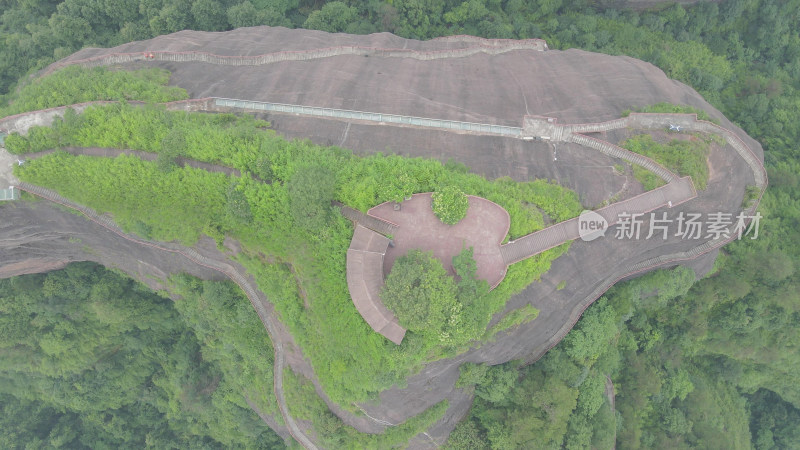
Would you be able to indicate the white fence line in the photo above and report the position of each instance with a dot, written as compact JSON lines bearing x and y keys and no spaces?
{"x":490,"y":47}
{"x":481,"y":128}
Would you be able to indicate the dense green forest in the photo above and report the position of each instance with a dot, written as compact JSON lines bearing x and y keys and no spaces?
{"x":674,"y":386}
{"x":714,"y":366}
{"x":92,"y":359}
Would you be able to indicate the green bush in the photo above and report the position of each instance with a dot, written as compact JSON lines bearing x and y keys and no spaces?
{"x":179,"y":205}
{"x":471,"y":374}
{"x":311,"y":191}
{"x":517,"y":317}
{"x":420,"y":292}
{"x":682,"y":157}
{"x":429,"y":302}
{"x":75,"y":84}
{"x":751,"y":193}
{"x":450,"y":205}
{"x":648,"y":179}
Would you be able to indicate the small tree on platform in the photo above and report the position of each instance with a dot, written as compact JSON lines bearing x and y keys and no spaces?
{"x":450,"y":205}
{"x":420,"y":292}
{"x":430,"y":302}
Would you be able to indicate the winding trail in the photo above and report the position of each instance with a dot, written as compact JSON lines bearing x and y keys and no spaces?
{"x":474,"y":46}
{"x":146,"y":156}
{"x":611,"y":396}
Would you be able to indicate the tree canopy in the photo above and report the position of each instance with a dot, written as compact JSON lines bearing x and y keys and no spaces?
{"x":93,"y":359}
{"x":429,"y":301}
{"x":420,"y":292}
{"x":310,"y":194}
{"x":450,"y":204}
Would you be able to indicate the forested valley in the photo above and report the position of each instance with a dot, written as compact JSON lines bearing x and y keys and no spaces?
{"x":93,"y":359}
{"x":712,"y":363}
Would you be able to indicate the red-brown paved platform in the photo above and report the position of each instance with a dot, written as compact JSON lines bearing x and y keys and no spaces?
{"x":365,"y":281}
{"x":483,"y":228}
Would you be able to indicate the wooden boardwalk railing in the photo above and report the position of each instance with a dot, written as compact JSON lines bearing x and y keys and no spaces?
{"x":365,"y":220}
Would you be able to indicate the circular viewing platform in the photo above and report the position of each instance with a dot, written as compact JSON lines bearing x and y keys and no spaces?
{"x":413,"y":225}
{"x":483,"y":228}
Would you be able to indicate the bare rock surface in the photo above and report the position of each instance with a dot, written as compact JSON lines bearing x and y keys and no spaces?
{"x":7,"y":163}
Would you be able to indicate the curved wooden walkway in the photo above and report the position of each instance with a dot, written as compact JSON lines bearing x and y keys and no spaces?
{"x":365,"y":281}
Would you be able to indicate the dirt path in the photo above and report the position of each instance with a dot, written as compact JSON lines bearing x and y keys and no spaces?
{"x":611,"y":402}
{"x":146,"y":156}
{"x":466,"y":46}
{"x":7,"y":163}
